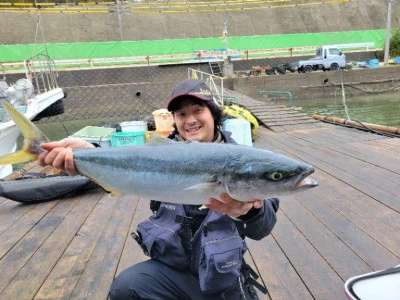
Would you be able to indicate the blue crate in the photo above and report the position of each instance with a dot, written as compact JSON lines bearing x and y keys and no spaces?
{"x":121,"y":139}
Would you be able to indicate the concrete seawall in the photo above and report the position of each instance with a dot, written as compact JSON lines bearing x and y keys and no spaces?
{"x":58,"y":27}
{"x":312,"y":86}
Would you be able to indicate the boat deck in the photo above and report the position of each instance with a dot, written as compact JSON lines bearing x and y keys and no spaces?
{"x":72,"y":248}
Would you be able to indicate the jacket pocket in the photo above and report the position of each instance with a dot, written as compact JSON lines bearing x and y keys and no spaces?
{"x":163,"y":244}
{"x":220,"y":263}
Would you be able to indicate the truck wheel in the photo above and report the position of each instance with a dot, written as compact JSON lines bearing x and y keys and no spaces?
{"x":334,"y":67}
{"x":307,"y":69}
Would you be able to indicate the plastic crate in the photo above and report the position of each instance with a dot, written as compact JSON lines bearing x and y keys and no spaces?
{"x":121,"y":139}
{"x":94,"y":134}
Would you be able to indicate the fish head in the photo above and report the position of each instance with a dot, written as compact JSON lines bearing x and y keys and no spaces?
{"x":279,"y":176}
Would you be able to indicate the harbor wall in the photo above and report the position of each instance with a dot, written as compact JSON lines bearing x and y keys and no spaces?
{"x":321,"y":84}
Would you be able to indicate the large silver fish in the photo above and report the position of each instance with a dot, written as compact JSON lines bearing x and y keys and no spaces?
{"x":179,"y":172}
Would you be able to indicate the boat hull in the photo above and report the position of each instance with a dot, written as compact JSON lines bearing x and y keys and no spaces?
{"x":9,"y":132}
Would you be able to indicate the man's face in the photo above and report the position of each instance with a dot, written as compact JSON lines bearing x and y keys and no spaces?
{"x":194,"y":122}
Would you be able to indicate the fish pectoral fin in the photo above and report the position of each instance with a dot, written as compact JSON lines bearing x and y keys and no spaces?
{"x":204,"y":186}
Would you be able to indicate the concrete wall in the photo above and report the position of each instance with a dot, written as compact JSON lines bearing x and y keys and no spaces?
{"x":309,"y":86}
{"x":20,"y":27}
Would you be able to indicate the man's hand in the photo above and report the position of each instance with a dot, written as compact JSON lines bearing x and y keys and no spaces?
{"x":59,"y":154}
{"x":232,"y":207}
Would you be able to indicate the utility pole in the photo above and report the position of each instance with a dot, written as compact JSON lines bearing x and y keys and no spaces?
{"x":119,"y":12}
{"x":388,"y":26}
{"x":228,"y":65}
{"x":225,"y":35}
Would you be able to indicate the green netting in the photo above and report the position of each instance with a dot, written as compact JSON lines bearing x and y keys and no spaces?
{"x":59,"y":51}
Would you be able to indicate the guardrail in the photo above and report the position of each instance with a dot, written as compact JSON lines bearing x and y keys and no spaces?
{"x":215,"y":83}
{"x":227,"y":100}
{"x":275,"y":93}
{"x":355,"y":45}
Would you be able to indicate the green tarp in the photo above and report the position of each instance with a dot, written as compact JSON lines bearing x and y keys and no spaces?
{"x":60,"y":51}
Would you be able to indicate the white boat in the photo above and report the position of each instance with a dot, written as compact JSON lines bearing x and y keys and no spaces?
{"x":30,"y":95}
{"x":380,"y":285}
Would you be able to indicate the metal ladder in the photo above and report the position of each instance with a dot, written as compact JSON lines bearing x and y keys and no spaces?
{"x":215,"y":68}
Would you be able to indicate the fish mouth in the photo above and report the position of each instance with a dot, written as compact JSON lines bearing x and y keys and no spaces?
{"x":305,"y":182}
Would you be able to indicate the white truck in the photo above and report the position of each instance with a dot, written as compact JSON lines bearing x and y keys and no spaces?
{"x":326,"y":58}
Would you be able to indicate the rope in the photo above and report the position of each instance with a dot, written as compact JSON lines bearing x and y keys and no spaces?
{"x":39,"y":27}
{"x":344,"y":96}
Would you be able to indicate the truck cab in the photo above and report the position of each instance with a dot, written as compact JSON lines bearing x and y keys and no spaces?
{"x":326,"y":58}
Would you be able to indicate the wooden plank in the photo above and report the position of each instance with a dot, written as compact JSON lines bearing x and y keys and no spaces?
{"x":132,"y":253}
{"x":374,"y":155}
{"x":276,"y":271}
{"x":74,"y":259}
{"x":26,"y":217}
{"x":294,"y":122}
{"x":283,"y":118}
{"x":360,"y":242}
{"x":54,"y":235}
{"x":336,"y":253}
{"x":318,"y":276}
{"x":346,"y":169}
{"x":387,"y":221}
{"x":379,"y":198}
{"x":373,"y":217}
{"x":21,"y":253}
{"x":100,"y":270}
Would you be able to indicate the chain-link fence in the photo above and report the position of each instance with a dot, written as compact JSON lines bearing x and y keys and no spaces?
{"x":117,"y":94}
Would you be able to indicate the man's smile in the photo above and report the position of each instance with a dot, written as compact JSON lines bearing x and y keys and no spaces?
{"x":193,"y":129}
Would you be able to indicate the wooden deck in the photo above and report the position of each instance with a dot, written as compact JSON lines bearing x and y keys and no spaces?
{"x":72,"y":248}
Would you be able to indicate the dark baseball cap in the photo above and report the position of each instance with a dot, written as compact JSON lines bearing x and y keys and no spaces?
{"x":187,"y":88}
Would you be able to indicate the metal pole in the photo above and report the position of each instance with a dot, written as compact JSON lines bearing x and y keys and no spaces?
{"x":387,"y":41}
{"x":119,"y":12}
{"x":226,"y":38}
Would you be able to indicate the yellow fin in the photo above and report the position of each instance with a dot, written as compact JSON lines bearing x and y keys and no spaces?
{"x":155,"y":138}
{"x":108,"y":189}
{"x":33,"y":137}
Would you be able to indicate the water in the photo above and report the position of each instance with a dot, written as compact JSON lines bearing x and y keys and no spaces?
{"x":382,"y":109}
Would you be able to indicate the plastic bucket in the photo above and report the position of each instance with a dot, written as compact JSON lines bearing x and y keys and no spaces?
{"x":95,"y":134}
{"x":133,"y":126}
{"x":163,"y":119}
{"x":240,"y":129}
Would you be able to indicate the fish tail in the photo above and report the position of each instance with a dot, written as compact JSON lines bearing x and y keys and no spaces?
{"x":33,"y":137}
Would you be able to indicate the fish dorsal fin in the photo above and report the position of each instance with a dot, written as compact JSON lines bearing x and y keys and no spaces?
{"x":155,"y":138}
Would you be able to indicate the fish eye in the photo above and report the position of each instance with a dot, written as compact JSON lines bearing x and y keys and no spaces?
{"x":276,"y":176}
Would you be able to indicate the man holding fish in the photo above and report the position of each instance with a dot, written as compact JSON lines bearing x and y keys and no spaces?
{"x":209,"y":195}
{"x":195,"y":254}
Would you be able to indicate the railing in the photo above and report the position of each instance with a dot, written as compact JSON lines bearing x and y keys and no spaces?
{"x":211,"y":82}
{"x":275,"y":93}
{"x":227,"y":100}
{"x":355,"y":45}
{"x":41,"y":71}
